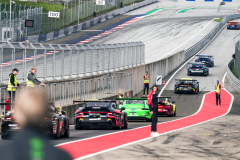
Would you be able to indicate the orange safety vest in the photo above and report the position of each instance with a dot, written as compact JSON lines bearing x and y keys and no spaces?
{"x":146,"y":79}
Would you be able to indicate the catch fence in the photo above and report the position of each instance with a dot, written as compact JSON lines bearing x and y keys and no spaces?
{"x":59,"y":61}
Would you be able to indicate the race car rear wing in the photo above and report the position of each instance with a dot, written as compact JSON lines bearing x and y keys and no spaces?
{"x":203,"y":56}
{"x":142,"y":98}
{"x":185,"y":80}
{"x":83,"y":101}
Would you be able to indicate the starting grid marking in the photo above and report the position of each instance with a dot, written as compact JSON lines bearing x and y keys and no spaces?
{"x":81,"y":42}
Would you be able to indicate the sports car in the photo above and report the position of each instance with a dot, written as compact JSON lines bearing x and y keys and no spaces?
{"x":136,"y":108}
{"x":206,"y":59}
{"x":55,"y":124}
{"x":186,"y":85}
{"x":165,"y":107}
{"x":233,"y":25}
{"x":100,"y":114}
{"x":197,"y":69}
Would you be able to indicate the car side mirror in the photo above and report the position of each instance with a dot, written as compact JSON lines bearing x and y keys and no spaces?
{"x":123,"y":108}
{"x":173,"y":102}
{"x":197,"y":82}
{"x":63,"y":112}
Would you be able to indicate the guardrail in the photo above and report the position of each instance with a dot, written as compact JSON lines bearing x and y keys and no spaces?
{"x":235,"y":82}
{"x":54,"y":61}
{"x":202,"y":43}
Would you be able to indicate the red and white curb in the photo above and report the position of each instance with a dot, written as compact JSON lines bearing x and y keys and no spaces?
{"x":81,"y":42}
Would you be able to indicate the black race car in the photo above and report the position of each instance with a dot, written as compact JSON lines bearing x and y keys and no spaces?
{"x":55,"y":124}
{"x":100,"y":114}
{"x":186,"y":85}
{"x":206,"y":59}
{"x":197,"y":69}
{"x":8,"y":125}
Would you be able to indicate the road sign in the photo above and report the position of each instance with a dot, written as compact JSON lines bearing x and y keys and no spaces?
{"x":100,"y":2}
{"x":54,"y":14}
{"x":159,"y":80}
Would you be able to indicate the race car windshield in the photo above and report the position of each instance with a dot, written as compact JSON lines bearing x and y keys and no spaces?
{"x":197,"y":65}
{"x":162,"y":99}
{"x":186,"y":82}
{"x":134,"y":102}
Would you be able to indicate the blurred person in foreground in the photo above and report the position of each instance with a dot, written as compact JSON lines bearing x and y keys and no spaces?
{"x":31,"y":108}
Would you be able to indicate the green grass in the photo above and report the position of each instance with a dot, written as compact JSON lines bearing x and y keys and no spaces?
{"x":46,"y":6}
{"x":218,"y":20}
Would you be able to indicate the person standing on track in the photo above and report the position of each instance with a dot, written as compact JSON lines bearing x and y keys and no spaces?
{"x":13,"y":84}
{"x":218,"y":92}
{"x":153,"y":106}
{"x":32,"y":80}
{"x":146,"y":83}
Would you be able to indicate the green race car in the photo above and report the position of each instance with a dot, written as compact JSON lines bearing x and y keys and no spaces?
{"x":136,"y":108}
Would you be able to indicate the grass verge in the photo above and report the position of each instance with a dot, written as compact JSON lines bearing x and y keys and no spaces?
{"x":218,"y":19}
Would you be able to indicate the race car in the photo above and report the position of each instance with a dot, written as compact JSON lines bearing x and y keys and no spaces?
{"x":100,"y":113}
{"x":55,"y":124}
{"x":206,"y":59}
{"x":186,"y":85}
{"x":197,"y":69}
{"x":165,"y":107}
{"x":136,"y":108}
{"x":233,"y":25}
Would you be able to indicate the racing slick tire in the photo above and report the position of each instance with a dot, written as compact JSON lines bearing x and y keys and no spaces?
{"x":66,"y":133}
{"x":175,"y":91}
{"x":125,"y":121}
{"x":119,"y":127}
{"x":171,"y":115}
{"x":58,"y":134}
{"x":149,"y":120}
{"x":189,"y":73}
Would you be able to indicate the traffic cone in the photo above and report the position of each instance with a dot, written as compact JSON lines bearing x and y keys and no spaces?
{"x":163,"y":82}
{"x":239,"y":10}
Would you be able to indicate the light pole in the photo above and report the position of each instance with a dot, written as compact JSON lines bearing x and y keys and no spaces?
{"x":10,"y":25}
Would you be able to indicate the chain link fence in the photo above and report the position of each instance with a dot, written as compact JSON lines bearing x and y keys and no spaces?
{"x":202,"y":43}
{"x":58,"y":61}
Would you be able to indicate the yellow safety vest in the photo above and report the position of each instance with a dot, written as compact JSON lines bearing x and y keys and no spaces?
{"x":217,"y":89}
{"x":146,"y":79}
{"x":10,"y":86}
{"x":30,"y":83}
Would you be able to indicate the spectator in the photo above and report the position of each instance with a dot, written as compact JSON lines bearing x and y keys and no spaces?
{"x":31,"y":143}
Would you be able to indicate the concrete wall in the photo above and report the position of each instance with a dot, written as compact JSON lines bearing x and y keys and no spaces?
{"x":237,"y":59}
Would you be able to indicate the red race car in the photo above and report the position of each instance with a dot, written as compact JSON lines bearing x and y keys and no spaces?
{"x":100,"y":114}
{"x":165,"y":107}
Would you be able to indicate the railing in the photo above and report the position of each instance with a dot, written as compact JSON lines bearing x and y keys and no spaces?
{"x":63,"y":94}
{"x":58,"y":61}
{"x":235,"y":82}
{"x":202,"y":43}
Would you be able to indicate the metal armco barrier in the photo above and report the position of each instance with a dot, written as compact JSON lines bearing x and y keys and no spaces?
{"x":58,"y":61}
{"x":235,"y":82}
{"x":199,"y":45}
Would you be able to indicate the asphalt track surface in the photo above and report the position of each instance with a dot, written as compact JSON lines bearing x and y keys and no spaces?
{"x":221,"y":48}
